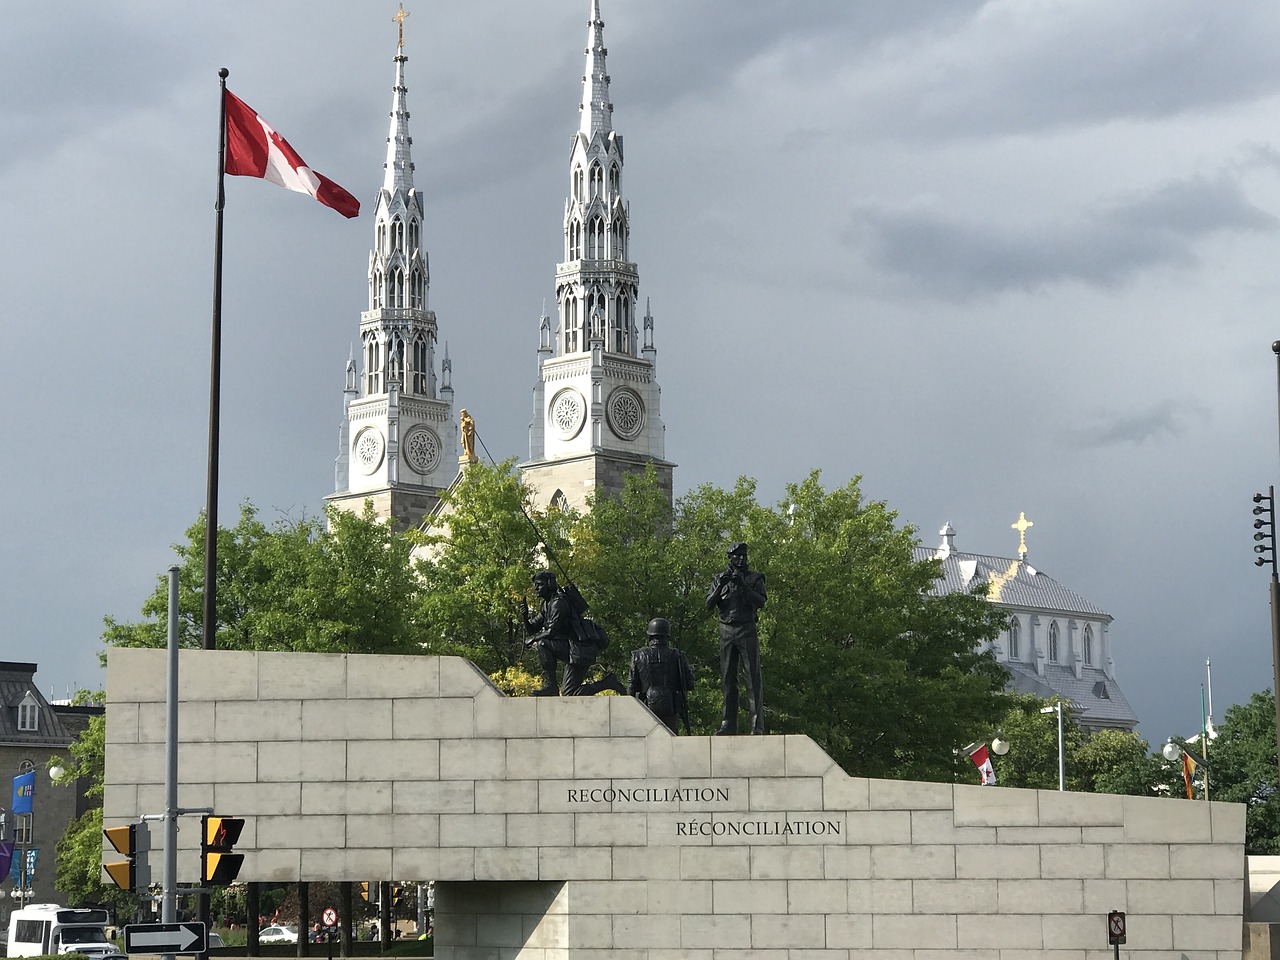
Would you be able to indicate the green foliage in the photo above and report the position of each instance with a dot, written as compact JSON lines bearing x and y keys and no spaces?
{"x":857,"y":651}
{"x":862,"y":655}
{"x":1242,"y":763}
{"x":295,"y":585}
{"x":1106,"y":761}
{"x":480,"y":555}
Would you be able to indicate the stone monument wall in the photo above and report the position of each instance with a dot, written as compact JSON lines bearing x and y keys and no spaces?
{"x":582,"y":829}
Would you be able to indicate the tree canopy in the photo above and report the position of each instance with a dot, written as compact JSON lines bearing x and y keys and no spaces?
{"x":858,"y":650}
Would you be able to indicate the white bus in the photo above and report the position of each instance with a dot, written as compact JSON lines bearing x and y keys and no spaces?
{"x":46,"y":928}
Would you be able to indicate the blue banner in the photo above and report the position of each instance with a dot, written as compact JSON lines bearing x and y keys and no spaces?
{"x":24,"y":792}
{"x":15,"y":868}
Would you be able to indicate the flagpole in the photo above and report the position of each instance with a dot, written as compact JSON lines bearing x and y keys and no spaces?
{"x":210,"y":617}
{"x":1204,"y":741}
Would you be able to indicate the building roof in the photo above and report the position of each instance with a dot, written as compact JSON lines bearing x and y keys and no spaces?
{"x":17,"y":680}
{"x":1096,"y":700}
{"x":1013,"y":582}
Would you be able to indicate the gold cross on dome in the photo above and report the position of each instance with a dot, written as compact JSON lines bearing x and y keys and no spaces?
{"x":1022,"y":526}
{"x":399,"y":19}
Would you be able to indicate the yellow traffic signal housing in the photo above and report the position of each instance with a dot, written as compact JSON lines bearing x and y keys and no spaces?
{"x":218,"y":865}
{"x":134,"y":841}
{"x":364,"y":889}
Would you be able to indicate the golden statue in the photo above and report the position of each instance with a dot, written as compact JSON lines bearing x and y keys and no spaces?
{"x":468,"y":429}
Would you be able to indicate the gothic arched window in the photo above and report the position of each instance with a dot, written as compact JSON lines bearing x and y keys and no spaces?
{"x":1015,"y":637}
{"x":372,"y":366}
{"x":596,"y":250}
{"x":415,"y":288}
{"x":1053,"y":642}
{"x":618,"y":238}
{"x":571,"y":324}
{"x":575,"y":240}
{"x":577,"y":183}
{"x":597,"y":181}
{"x":559,"y":501}
{"x":615,"y":179}
{"x":621,"y":325}
{"x":421,"y":365}
{"x":1088,"y":643}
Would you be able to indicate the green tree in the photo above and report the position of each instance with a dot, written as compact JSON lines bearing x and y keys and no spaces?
{"x":476,"y":565}
{"x":299,"y":585}
{"x":1105,"y":761}
{"x":858,"y":650}
{"x":863,"y":655}
{"x":1242,"y":765}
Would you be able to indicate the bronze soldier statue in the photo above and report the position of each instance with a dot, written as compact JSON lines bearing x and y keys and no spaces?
{"x":563,"y":636}
{"x":737,"y":594}
{"x":661,"y":678}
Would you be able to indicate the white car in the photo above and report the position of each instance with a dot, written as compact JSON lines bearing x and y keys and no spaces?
{"x":278,"y":935}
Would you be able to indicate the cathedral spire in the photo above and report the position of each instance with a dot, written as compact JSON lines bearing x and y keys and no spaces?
{"x":596,"y":110}
{"x":399,"y":435}
{"x":399,"y":166}
{"x":596,"y":401}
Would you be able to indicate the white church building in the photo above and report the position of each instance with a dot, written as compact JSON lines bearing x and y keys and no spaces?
{"x":1057,"y":644}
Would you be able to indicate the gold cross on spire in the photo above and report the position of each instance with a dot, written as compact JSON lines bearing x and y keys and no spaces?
{"x":1022,"y":526}
{"x":399,"y":19}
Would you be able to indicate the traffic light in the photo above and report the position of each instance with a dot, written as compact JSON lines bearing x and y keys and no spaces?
{"x":134,"y":841}
{"x":1265,"y":524}
{"x":396,"y":890}
{"x":218,"y":865}
{"x":364,"y":890}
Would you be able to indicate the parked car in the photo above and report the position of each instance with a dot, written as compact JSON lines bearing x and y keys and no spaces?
{"x":278,"y":935}
{"x":215,"y":941}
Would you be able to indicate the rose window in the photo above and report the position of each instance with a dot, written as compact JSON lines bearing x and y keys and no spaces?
{"x":567,"y":413}
{"x":626,"y":414}
{"x":422,"y":450}
{"x":369,"y":449}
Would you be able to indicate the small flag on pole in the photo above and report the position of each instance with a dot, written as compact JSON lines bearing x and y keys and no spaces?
{"x":254,"y":149}
{"x":982,"y":761}
{"x":1188,"y":771}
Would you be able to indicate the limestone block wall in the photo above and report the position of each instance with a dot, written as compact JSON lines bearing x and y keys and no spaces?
{"x":582,"y":829}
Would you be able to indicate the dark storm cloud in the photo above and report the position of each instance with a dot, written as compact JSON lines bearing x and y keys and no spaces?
{"x":946,"y":257}
{"x":1020,"y":67}
{"x":676,"y":48}
{"x":1166,"y":420}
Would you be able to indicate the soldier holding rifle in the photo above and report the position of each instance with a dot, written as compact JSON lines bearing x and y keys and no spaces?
{"x":563,"y":636}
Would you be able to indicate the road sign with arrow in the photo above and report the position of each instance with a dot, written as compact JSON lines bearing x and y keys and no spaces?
{"x":166,"y":938}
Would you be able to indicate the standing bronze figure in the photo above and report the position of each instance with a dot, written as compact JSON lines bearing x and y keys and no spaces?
{"x":738,"y":593}
{"x":661,"y":678}
{"x":563,"y":636}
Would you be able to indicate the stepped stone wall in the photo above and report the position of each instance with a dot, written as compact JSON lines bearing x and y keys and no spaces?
{"x":582,"y":829}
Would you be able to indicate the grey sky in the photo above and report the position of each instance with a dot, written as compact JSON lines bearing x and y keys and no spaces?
{"x":994,"y":257}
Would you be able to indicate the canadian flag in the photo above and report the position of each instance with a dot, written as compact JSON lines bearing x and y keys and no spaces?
{"x":983,"y":762}
{"x":254,"y":149}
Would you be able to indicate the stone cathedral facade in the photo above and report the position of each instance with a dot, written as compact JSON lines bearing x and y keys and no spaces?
{"x":596,"y":414}
{"x":398,"y":439}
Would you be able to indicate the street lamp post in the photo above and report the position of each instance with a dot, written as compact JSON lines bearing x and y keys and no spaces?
{"x":1062,"y":760}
